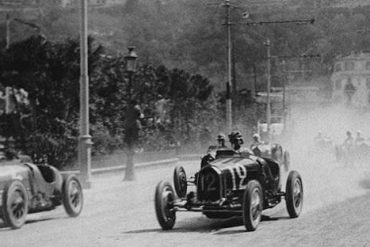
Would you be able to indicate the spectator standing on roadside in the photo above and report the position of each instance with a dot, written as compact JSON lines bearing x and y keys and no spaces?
{"x":132,"y":128}
{"x":348,"y":142}
{"x":133,"y":124}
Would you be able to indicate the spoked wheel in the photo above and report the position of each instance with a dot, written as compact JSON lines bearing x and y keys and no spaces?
{"x":294,"y":194}
{"x":15,"y":204}
{"x":252,"y":205}
{"x":164,"y":199}
{"x":72,"y":196}
{"x":180,"y":181}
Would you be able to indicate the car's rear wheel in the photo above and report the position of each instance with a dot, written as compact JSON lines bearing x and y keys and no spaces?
{"x":252,"y":205}
{"x":180,"y":181}
{"x":294,"y":194}
{"x":14,"y":204}
{"x":72,"y":196}
{"x":165,"y":211}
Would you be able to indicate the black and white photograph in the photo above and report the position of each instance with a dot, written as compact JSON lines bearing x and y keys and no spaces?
{"x":168,"y":123}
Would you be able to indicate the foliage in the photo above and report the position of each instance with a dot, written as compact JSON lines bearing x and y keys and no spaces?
{"x":46,"y":127}
{"x":49,"y":73}
{"x":182,"y":52}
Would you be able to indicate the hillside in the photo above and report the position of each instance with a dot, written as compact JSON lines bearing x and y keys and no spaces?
{"x":189,"y":34}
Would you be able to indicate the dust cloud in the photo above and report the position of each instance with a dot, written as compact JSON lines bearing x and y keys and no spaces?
{"x":327,"y":181}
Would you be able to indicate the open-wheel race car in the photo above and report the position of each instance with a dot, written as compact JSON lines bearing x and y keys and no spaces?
{"x":233,"y":184}
{"x":349,"y":155}
{"x":29,"y":188}
{"x":273,"y":151}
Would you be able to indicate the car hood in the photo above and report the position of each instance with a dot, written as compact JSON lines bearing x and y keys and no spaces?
{"x":227,"y":163}
{"x":11,"y":170}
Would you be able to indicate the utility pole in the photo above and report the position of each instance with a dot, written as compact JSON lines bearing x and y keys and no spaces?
{"x":267,"y":44}
{"x":7,"y":31}
{"x":84,"y":140}
{"x":284,"y":87}
{"x":229,"y":68}
{"x":268,"y":110}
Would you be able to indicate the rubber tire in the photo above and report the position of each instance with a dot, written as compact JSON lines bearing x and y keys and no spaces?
{"x":165,"y":219}
{"x":250,"y":223}
{"x":180,"y":181}
{"x":293,"y":209}
{"x":71,"y":209}
{"x":8,"y":217}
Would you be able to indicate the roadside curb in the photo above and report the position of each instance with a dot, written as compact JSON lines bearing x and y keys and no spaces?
{"x":98,"y":171}
{"x":105,"y":170}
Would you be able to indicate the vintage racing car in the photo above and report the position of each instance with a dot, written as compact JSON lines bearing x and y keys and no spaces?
{"x":231,"y":185}
{"x":273,"y":151}
{"x":29,"y":188}
{"x":358,"y":153}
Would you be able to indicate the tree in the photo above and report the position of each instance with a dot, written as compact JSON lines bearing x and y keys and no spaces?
{"x":49,"y":73}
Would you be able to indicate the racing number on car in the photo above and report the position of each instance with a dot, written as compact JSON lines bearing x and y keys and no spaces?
{"x":238,"y":172}
{"x":208,"y":182}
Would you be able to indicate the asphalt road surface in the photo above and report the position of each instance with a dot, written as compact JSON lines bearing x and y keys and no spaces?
{"x":336,"y":213}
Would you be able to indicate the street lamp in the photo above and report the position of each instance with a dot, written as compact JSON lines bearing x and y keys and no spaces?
{"x":268,"y":110}
{"x":132,"y":116}
{"x":84,"y":140}
{"x":130,"y":59}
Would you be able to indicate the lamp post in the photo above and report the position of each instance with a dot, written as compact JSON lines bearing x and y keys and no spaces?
{"x":132,"y":115}
{"x":130,"y":59}
{"x":84,"y":140}
{"x":229,"y":86}
{"x":268,"y":110}
{"x":284,"y":79}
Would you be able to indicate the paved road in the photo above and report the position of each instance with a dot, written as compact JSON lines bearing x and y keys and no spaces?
{"x":120,"y":213}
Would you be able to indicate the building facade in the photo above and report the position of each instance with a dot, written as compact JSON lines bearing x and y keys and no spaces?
{"x":92,"y":3}
{"x":351,"y":80}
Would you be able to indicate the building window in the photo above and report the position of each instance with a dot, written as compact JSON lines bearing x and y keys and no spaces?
{"x":338,"y":85}
{"x":338,"y":67}
{"x":349,"y":65}
{"x":368,"y":65}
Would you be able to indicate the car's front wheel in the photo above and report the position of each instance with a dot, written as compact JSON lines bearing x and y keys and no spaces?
{"x":14,"y":204}
{"x":180,"y":181}
{"x":72,"y":196}
{"x":163,"y":200}
{"x":294,"y":194}
{"x":252,"y":205}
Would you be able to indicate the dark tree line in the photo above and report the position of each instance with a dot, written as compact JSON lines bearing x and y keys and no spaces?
{"x":45,"y":125}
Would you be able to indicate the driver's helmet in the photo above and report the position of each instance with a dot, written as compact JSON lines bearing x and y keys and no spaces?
{"x":256,"y":137}
{"x":236,"y":137}
{"x":348,"y":133}
{"x":221,"y":137}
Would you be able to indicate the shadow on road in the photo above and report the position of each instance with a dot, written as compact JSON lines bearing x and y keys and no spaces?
{"x":196,"y":224}
{"x":365,"y":184}
{"x":4,"y":227}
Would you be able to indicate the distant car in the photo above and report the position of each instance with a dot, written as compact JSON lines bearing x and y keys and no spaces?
{"x":28,"y":188}
{"x":323,"y":144}
{"x":273,"y":151}
{"x":358,"y":153}
{"x":276,"y":127}
{"x":231,"y":185}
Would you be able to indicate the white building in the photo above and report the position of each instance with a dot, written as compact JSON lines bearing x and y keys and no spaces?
{"x":351,"y":80}
{"x":92,"y":3}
